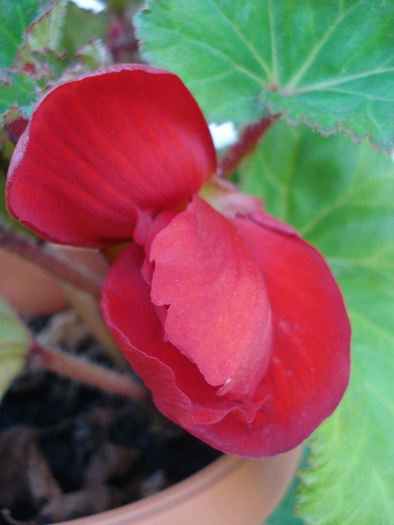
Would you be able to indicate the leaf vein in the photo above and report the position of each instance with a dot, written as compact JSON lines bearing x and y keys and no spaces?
{"x":214,"y":51}
{"x":316,"y":50}
{"x":275,"y":79}
{"x":372,"y":325}
{"x":313,"y":223}
{"x":335,"y":82}
{"x":243,"y":39}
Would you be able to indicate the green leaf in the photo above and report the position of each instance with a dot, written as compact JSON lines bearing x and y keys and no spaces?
{"x":51,"y":51}
{"x":17,"y":96}
{"x":328,"y":63}
{"x":40,"y":54}
{"x":5,"y":218}
{"x":352,"y":453}
{"x":15,"y":18}
{"x":284,"y":514}
{"x":94,"y":55}
{"x":32,"y":34}
{"x":340,"y":196}
{"x":81,"y":26}
{"x":46,"y":32}
{"x":14,"y":343}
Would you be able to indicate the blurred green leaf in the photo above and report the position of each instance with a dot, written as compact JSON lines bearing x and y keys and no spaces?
{"x":340,"y":196}
{"x":14,"y":343}
{"x":35,"y":60}
{"x":284,"y":513}
{"x":329,"y":64}
{"x":80,"y":26}
{"x":46,"y":31}
{"x":45,"y":52}
{"x":94,"y":55}
{"x":15,"y":17}
{"x":5,"y":218}
{"x":51,"y":51}
{"x":124,"y":6}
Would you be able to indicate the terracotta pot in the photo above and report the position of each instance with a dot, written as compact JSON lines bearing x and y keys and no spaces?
{"x":230,"y":491}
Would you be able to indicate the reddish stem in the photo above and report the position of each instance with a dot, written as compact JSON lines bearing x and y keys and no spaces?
{"x":86,"y":372}
{"x":16,"y":128}
{"x":121,"y":40}
{"x":245,"y":145}
{"x":38,"y":254}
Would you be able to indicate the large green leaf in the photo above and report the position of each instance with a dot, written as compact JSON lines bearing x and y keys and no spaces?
{"x":351,"y":474}
{"x":14,"y":343}
{"x":328,"y":63}
{"x":15,"y":18}
{"x":340,"y":196}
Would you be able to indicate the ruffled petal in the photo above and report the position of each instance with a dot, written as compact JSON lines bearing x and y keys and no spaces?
{"x":218,"y":314}
{"x":103,"y":153}
{"x":179,"y":389}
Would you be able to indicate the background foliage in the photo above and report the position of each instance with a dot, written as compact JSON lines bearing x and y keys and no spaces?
{"x":328,"y":64}
{"x":339,"y":195}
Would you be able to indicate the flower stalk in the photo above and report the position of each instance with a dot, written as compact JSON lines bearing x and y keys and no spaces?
{"x":81,"y":286}
{"x":244,"y":146}
{"x":39,"y":254}
{"x":86,"y":372}
{"x":89,"y":310}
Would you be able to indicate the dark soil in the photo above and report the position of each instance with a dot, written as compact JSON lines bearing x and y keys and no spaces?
{"x":68,"y":450}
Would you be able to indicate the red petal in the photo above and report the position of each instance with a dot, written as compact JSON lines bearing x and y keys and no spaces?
{"x":178,"y":387}
{"x":103,"y":149}
{"x":218,"y":313}
{"x":309,"y":367}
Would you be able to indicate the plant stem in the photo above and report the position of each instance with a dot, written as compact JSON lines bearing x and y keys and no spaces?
{"x":38,"y":253}
{"x":89,"y":310}
{"x":85,"y":371}
{"x":245,"y":145}
{"x":81,"y":286}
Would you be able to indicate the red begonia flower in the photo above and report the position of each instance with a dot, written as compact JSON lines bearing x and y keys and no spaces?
{"x":233,"y":321}
{"x":308,"y":364}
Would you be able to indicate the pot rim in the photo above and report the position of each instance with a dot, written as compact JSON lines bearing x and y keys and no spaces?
{"x":183,"y":490}
{"x":145,"y":507}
